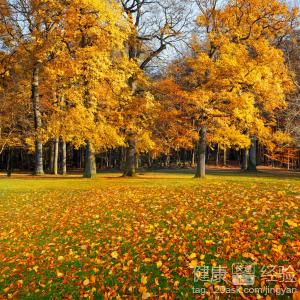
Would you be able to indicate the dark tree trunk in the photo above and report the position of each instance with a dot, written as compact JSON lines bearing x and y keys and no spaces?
{"x":55,"y":158}
{"x":9,"y":162}
{"x":129,"y":168}
{"x":225,"y":157}
{"x":178,"y":161}
{"x":63,"y":157}
{"x":149,"y":160}
{"x":217,"y":155}
{"x":201,"y":151}
{"x":252,"y":155}
{"x":137,"y":162}
{"x":167,"y":161}
{"x":51,"y":157}
{"x":90,"y":162}
{"x":122,"y":157}
{"x":39,"y":170}
{"x":245,"y":159}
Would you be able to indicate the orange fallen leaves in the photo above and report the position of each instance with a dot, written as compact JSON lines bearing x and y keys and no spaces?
{"x":141,"y":241}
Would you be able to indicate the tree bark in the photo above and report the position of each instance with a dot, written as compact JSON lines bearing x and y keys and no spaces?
{"x":245,"y":159}
{"x":225,"y":157}
{"x":39,"y":170}
{"x":193,"y":158}
{"x":51,"y":157}
{"x":63,"y":157}
{"x":90,"y":162}
{"x":149,"y":160}
{"x":55,"y":159}
{"x":129,"y":170}
{"x":252,"y":155}
{"x":217,"y":155}
{"x":201,"y":151}
{"x":9,"y":162}
{"x":167,"y":160}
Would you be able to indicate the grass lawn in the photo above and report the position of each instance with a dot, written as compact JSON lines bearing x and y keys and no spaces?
{"x":110,"y":237}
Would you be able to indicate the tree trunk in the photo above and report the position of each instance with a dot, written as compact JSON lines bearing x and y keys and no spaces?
{"x":167,"y":161}
{"x":245,"y":159}
{"x":149,"y":161}
{"x":63,"y":157}
{"x":178,"y":161}
{"x":90,"y":162}
{"x":9,"y":162}
{"x":39,"y":170}
{"x":217,"y":155}
{"x":252,"y":155}
{"x":55,"y":159}
{"x":193,"y":158}
{"x":51,"y":157}
{"x":201,"y":150}
{"x":129,"y":170}
{"x":225,"y":157}
{"x":137,"y":162}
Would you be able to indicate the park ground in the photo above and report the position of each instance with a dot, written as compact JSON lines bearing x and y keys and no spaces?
{"x":161,"y":235}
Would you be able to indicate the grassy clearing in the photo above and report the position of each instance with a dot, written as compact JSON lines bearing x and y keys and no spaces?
{"x":109,"y":237}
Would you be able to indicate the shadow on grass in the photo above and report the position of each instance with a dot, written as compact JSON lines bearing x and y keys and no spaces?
{"x":179,"y":173}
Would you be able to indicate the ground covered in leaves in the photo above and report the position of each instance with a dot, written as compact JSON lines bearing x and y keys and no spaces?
{"x":143,"y":238}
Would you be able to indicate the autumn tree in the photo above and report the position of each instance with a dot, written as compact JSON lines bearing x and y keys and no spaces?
{"x":75,"y":54}
{"x":237,"y":72}
{"x":290,"y":118}
{"x":31,"y":32}
{"x":174,"y":128}
{"x":155,"y":26}
{"x":14,"y":111}
{"x":92,"y":78}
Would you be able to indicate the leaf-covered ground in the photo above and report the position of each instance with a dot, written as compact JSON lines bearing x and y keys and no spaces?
{"x":115,"y":238}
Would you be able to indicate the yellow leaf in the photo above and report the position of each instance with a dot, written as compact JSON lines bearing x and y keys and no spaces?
{"x":99,"y":261}
{"x":114,"y":254}
{"x":291,"y":223}
{"x":159,"y":264}
{"x":59,"y":274}
{"x":35,"y":268}
{"x":146,"y":295}
{"x":209,"y":242}
{"x":193,"y":263}
{"x":193,"y":255}
{"x":144,"y":279}
{"x":60,"y":258}
{"x":86,"y":282}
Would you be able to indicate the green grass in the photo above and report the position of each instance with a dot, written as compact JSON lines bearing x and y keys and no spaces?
{"x":69,"y":237}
